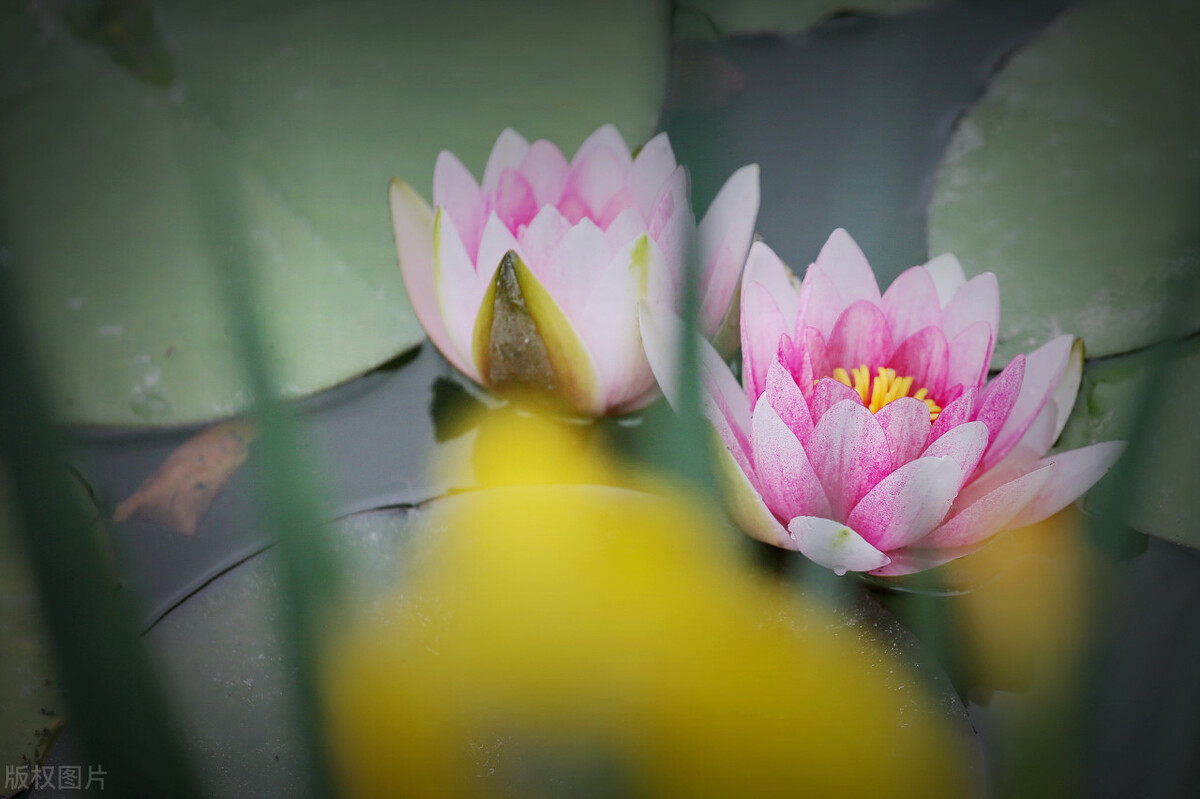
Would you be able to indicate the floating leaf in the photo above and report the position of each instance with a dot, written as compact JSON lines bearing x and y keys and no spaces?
{"x":1160,"y":496}
{"x":1077,"y":179}
{"x":126,"y":29}
{"x":707,"y":18}
{"x":309,"y":109}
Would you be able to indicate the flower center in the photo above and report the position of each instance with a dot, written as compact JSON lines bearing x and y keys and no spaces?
{"x":885,"y":387}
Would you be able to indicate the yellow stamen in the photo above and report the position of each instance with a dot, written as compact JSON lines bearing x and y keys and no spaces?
{"x":885,"y":388}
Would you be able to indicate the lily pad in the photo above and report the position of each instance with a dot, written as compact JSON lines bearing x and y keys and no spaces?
{"x":229,"y":671}
{"x":707,"y":18}
{"x":1161,"y":498}
{"x":127,"y":204}
{"x":1077,"y":178}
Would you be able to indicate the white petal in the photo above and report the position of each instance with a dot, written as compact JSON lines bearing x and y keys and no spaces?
{"x":653,"y":165}
{"x":1075,"y":471}
{"x":724,"y":240}
{"x":412,"y":220}
{"x":947,"y":276}
{"x":459,"y":288}
{"x":834,"y":545}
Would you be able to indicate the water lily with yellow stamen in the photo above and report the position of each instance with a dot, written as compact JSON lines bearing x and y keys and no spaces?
{"x":866,"y":434}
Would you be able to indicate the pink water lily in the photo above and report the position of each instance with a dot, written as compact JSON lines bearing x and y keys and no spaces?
{"x":866,"y":433}
{"x":532,"y":278}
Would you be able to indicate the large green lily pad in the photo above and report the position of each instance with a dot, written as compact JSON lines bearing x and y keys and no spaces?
{"x":1159,"y":495}
{"x":270,"y":151}
{"x":705,"y":18}
{"x":1077,"y":178}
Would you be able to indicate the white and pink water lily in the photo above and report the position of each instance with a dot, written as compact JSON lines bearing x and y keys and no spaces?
{"x":866,"y":433}
{"x":531,"y":279}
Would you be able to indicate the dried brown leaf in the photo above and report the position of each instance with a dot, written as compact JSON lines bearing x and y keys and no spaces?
{"x":180,"y":492}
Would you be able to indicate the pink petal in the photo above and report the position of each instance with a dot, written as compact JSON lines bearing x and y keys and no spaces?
{"x":964,"y":445}
{"x":1074,"y":473}
{"x":514,"y":201}
{"x":1063,"y":398}
{"x":911,"y":303}
{"x":977,"y":300}
{"x":574,"y":266}
{"x":724,"y":240}
{"x":763,"y":266}
{"x":674,"y":240}
{"x":789,"y":484}
{"x":545,"y":168}
{"x":661,"y":333}
{"x":830,"y":392}
{"x":850,"y":454}
{"x":956,"y":413}
{"x":762,"y":328}
{"x":907,"y":504}
{"x":818,"y":356}
{"x":496,"y":241}
{"x":606,"y":138}
{"x":594,"y":180}
{"x":507,"y":153}
{"x":541,"y":236}
{"x":412,"y":220}
{"x":799,"y":363}
{"x":621,"y":201}
{"x":910,"y":560}
{"x":989,"y":514}
{"x":970,"y":354}
{"x":1044,"y":368}
{"x":788,"y":401}
{"x":455,"y":189}
{"x":607,"y":322}
{"x":860,"y":336}
{"x":923,"y":356}
{"x":746,"y":506}
{"x":628,"y":225}
{"x":718,"y":382}
{"x":1020,"y":459}
{"x":573,"y":208}
{"x":653,"y":165}
{"x":947,"y":275}
{"x":834,"y":545}
{"x":737,"y":442}
{"x":672,"y":197}
{"x":998,"y":397}
{"x":846,"y":266}
{"x":906,"y":424}
{"x":459,"y":288}
{"x":820,"y":305}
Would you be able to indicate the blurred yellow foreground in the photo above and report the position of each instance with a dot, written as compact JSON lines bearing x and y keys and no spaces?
{"x":593,"y":640}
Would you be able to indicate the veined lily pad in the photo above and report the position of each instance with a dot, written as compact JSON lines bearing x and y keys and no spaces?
{"x":271,"y":152}
{"x":1161,"y":499}
{"x":1077,"y":179}
{"x":707,"y":18}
